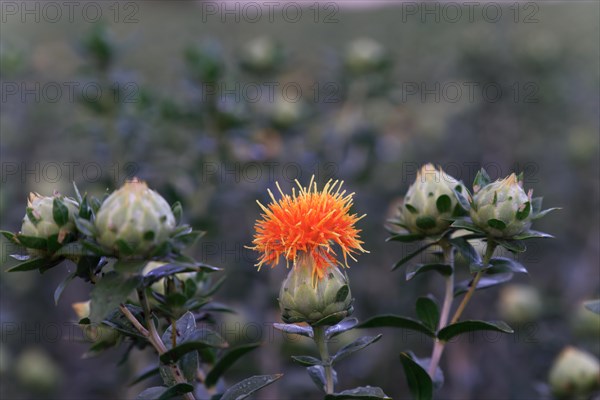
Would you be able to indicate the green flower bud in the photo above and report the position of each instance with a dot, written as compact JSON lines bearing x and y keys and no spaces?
{"x":47,"y":216}
{"x":574,"y":374}
{"x":134,"y":218}
{"x":502,"y":208}
{"x":520,"y":303}
{"x":262,"y":55}
{"x":430,"y":202}
{"x":365,"y":55}
{"x":306,"y":298}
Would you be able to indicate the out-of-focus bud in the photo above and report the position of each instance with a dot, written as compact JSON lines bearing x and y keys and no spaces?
{"x":261,"y":55}
{"x":575,"y":374}
{"x":37,"y":371}
{"x":365,"y":55}
{"x":502,"y":208}
{"x":520,"y":303}
{"x":430,"y":202}
{"x":305,"y":298}
{"x":135,"y":218}
{"x":48,"y":216}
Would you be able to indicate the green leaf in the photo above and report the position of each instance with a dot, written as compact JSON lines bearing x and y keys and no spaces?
{"x":405,"y":238}
{"x":443,"y":203}
{"x":331,"y":319}
{"x":108,"y":293}
{"x":177,"y":212}
{"x":342,"y":293}
{"x":144,"y":375}
{"x":85,"y":227}
{"x":341,"y":327}
{"x":74,"y":249}
{"x":294,"y":329}
{"x":444,"y":269}
{"x":29,"y":265}
{"x":521,"y":215}
{"x":124,"y":248}
{"x":485,"y":282}
{"x":481,"y":179}
{"x":515,"y":246}
{"x":505,"y":264}
{"x":164,"y":393}
{"x":355,"y":346}
{"x":184,"y":328}
{"x":77,"y":193}
{"x":462,"y":200}
{"x":411,"y":255}
{"x":61,"y":287}
{"x":197,"y":340}
{"x":496,"y":224}
{"x":530,"y":234}
{"x":306,"y":360}
{"x":60,"y":212}
{"x":425,"y":222}
{"x":245,"y":388}
{"x":95,"y":248}
{"x":461,"y":327}
{"x":467,"y":223}
{"x":129,"y":266}
{"x":119,"y":322}
{"x":466,"y":250}
{"x":593,"y":306}
{"x":419,"y":382}
{"x":428,"y":312}
{"x":410,"y":208}
{"x":11,"y":237}
{"x":317,"y":375}
{"x":226,"y":361}
{"x":362,"y":393}
{"x":396,"y":321}
{"x":32,"y":242}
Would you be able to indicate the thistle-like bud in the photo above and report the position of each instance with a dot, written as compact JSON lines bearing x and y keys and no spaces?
{"x":47,"y":216}
{"x":305,"y":298}
{"x":430,"y":202}
{"x":574,"y":374}
{"x":134,"y":219}
{"x":502,"y":208}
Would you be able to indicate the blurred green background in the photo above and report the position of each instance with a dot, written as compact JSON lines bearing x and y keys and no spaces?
{"x":180,"y":95}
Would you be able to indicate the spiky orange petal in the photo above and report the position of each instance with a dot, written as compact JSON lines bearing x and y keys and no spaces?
{"x":310,"y":221}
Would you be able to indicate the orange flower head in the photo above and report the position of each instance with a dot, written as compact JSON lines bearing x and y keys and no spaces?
{"x":311,"y":222}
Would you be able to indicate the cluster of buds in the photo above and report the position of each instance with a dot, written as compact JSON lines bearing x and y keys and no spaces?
{"x":48,"y":218}
{"x":134,"y":220}
{"x":430,"y":202}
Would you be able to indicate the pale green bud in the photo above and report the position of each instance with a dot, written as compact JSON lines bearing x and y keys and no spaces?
{"x":574,"y":374}
{"x":47,"y":216}
{"x":365,"y":55}
{"x":430,"y":202}
{"x":306,"y":298}
{"x":520,"y":303}
{"x":502,"y":208}
{"x":136,"y":216}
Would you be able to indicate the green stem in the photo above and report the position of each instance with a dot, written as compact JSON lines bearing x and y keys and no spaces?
{"x":321,"y":341}
{"x":438,"y":346}
{"x":489,"y":251}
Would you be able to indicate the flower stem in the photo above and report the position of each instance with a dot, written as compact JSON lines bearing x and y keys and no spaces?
{"x":438,"y":346}
{"x":153,"y":337}
{"x":321,"y":341}
{"x":489,"y":251}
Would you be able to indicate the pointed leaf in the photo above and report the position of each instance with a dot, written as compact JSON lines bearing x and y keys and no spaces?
{"x":428,"y":312}
{"x":355,"y":346}
{"x":341,"y":327}
{"x":405,"y":238}
{"x":108,"y":293}
{"x":362,"y":393}
{"x":396,"y":321}
{"x":317,"y":375}
{"x":226,"y":361}
{"x":307,"y":360}
{"x":544,"y":212}
{"x":61,"y":287}
{"x":30,"y":264}
{"x":481,"y":179}
{"x":85,"y":227}
{"x":245,"y":388}
{"x":593,"y":306}
{"x":411,"y":255}
{"x":515,"y":246}
{"x":32,"y":242}
{"x":294,"y":329}
{"x":60,"y":212}
{"x":466,"y":250}
{"x":177,"y":212}
{"x":197,"y":340}
{"x":461,"y":327}
{"x":11,"y":237}
{"x":444,"y":269}
{"x":505,"y":264}
{"x":485,"y":282}
{"x":466,"y":223}
{"x":165,"y":393}
{"x":532,"y":234}
{"x":419,"y":382}
{"x":144,"y":375}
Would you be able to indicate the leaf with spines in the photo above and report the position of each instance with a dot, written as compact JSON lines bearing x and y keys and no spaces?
{"x":461,"y":327}
{"x":245,"y":388}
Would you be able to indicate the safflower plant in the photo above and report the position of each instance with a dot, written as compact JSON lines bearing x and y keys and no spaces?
{"x":146,"y":292}
{"x":442,"y":215}
{"x":305,"y":228}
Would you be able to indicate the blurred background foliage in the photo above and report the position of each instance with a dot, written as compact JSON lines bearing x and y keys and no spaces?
{"x":179,"y":108}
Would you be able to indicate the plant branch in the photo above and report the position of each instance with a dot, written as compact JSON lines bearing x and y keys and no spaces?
{"x":489,"y":251}
{"x":321,"y":341}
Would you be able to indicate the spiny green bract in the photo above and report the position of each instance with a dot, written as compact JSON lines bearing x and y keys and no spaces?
{"x":502,"y":208}
{"x":301,"y":299}
{"x":134,"y":219}
{"x":430,"y":202}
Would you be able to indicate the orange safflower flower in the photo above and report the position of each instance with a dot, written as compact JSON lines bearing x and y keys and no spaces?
{"x":309,"y":221}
